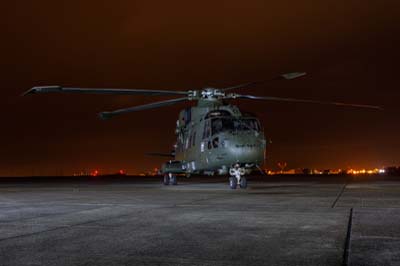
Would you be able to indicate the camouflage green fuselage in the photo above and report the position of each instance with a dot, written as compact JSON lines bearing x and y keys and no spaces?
{"x":212,"y":137}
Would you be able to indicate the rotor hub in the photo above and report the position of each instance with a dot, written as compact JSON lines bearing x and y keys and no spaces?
{"x":212,"y":93}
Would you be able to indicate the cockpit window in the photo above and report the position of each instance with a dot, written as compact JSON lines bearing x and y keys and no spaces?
{"x":249,"y":124}
{"x":222,"y":125}
{"x":228,"y":124}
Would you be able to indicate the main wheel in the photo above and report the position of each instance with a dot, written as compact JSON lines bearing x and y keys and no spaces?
{"x":172,"y":180}
{"x":243,"y":182}
{"x":232,"y":182}
{"x":166,"y":180}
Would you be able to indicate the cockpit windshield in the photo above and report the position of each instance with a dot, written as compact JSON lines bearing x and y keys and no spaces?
{"x":230,"y":124}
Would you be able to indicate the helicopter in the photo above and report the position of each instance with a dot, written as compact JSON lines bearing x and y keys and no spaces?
{"x":214,"y":137}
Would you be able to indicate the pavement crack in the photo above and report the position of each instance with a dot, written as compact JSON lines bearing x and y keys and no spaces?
{"x":339,"y":195}
{"x":346,"y":252}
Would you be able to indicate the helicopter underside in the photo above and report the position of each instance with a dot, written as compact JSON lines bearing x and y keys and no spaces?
{"x":186,"y":168}
{"x":220,"y":161}
{"x":237,"y":172}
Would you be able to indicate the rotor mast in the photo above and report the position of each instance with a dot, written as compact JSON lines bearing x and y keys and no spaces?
{"x":210,"y":97}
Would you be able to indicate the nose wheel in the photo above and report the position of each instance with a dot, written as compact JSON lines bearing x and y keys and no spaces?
{"x":170,"y":179}
{"x":243,"y":182}
{"x":233,"y":182}
{"x":237,"y":178}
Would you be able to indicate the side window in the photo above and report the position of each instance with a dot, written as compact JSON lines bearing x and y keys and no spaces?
{"x":215,"y":142}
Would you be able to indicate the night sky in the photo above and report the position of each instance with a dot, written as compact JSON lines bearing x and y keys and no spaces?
{"x":350,"y":49}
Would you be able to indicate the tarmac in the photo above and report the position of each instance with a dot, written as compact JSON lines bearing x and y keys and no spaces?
{"x":138,"y":221}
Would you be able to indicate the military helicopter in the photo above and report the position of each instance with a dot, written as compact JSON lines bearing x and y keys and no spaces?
{"x":213,"y":137}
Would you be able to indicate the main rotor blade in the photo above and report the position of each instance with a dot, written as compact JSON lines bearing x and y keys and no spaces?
{"x":286,"y":76}
{"x":159,"y":154}
{"x":107,"y":115}
{"x":59,"y":89}
{"x":293,"y":75}
{"x":248,"y":84}
{"x":302,"y":101}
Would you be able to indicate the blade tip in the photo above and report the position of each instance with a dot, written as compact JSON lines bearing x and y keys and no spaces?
{"x":42,"y":89}
{"x":105,"y":115}
{"x":30,"y":91}
{"x":293,"y":75}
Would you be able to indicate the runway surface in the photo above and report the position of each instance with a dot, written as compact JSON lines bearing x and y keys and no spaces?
{"x":141,"y":222}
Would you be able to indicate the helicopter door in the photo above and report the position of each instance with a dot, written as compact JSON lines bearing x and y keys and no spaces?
{"x":204,"y":151}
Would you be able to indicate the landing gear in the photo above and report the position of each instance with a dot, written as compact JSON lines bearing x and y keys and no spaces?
{"x":166,"y":180}
{"x":232,"y":182}
{"x":243,"y":182}
{"x":237,"y":177}
{"x":170,"y":179}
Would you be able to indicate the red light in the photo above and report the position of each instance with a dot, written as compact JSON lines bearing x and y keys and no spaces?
{"x":121,"y":172}
{"x":95,"y":173}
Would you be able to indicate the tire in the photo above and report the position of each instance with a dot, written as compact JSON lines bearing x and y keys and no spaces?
{"x":243,"y":182}
{"x":173,"y":181}
{"x":232,"y":182}
{"x":166,"y":180}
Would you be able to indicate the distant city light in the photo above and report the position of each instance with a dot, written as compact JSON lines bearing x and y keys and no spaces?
{"x":364,"y":171}
{"x":328,"y":171}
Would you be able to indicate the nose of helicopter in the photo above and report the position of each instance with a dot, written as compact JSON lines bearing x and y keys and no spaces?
{"x":246,"y":147}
